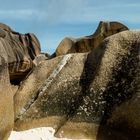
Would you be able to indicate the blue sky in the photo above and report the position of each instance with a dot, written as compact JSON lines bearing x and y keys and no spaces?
{"x":52,"y":20}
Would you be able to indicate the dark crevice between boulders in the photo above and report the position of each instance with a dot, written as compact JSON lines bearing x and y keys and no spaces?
{"x":52,"y":56}
{"x":31,"y":48}
{"x":18,"y":78}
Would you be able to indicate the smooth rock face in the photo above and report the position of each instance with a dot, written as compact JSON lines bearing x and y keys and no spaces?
{"x":6,"y":100}
{"x":86,"y":95}
{"x":20,"y":49}
{"x":51,"y":81}
{"x":88,"y":43}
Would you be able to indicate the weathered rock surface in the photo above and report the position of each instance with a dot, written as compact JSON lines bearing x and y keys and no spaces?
{"x":6,"y":100}
{"x":6,"y":27}
{"x":20,"y":49}
{"x":17,"y":52}
{"x":40,"y":58}
{"x":112,"y":90}
{"x":86,"y":95}
{"x":47,"y":76}
{"x":88,"y":43}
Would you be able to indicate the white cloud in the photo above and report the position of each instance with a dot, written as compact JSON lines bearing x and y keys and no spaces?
{"x":75,"y":12}
{"x":17,"y":14}
{"x":81,"y":11}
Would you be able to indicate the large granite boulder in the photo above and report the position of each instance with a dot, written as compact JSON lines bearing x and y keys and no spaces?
{"x":93,"y":95}
{"x":86,"y":44}
{"x":21,"y":50}
{"x":47,"y":77}
{"x":16,"y":60}
{"x":6,"y":100}
{"x":110,"y":107}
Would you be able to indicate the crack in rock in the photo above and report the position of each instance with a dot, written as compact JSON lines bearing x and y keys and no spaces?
{"x":46,"y":84}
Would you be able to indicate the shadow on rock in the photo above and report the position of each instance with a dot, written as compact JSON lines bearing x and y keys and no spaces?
{"x":121,"y":89}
